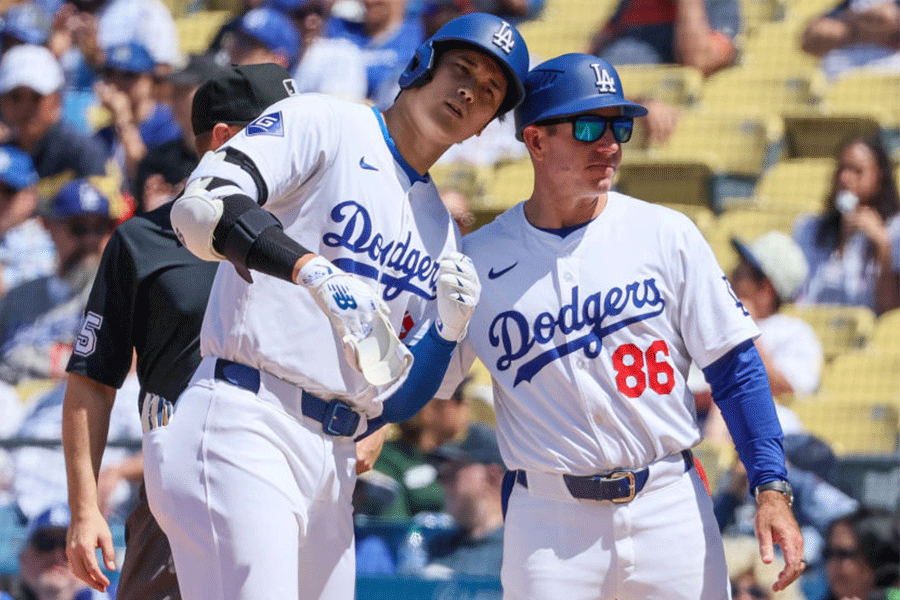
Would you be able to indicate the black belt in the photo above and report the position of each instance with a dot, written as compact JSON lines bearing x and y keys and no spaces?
{"x":336,"y":416}
{"x":619,"y":487}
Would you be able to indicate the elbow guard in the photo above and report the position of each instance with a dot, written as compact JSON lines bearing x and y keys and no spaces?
{"x":194,"y":218}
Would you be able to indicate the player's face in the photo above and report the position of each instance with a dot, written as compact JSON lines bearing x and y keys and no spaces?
{"x":587,"y":168}
{"x":463,"y":95}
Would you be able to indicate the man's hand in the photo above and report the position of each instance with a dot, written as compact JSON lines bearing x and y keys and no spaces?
{"x":458,"y":291}
{"x":87,"y":533}
{"x":359,"y":316}
{"x":368,"y":449}
{"x":775,"y":524}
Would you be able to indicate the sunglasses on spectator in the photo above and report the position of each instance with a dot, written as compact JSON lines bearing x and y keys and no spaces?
{"x":48,"y":541}
{"x":84,"y":228}
{"x":590,"y":128}
{"x":839,"y":554}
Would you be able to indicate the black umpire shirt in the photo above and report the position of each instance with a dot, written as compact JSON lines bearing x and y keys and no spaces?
{"x":150,"y":294}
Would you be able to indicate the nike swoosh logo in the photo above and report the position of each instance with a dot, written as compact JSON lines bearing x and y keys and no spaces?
{"x":495,"y":274}
{"x":365,"y":165}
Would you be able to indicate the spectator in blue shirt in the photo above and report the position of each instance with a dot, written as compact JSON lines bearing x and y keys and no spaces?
{"x":387,"y":36}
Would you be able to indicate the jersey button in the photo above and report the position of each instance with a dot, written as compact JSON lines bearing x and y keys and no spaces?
{"x":568,"y":277}
{"x":580,"y":363}
{"x":598,"y":419}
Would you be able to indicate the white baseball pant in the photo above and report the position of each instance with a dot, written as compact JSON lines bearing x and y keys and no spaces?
{"x":663,"y":545}
{"x":256,"y":502}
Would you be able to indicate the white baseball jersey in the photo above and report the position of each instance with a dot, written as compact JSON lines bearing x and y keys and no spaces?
{"x":336,"y":182}
{"x":589,"y":337}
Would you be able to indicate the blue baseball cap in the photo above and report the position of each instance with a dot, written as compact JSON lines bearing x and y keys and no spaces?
{"x":76,"y":198}
{"x":25,"y":23}
{"x":130,"y":57}
{"x":273,"y":30}
{"x":16,"y":168}
{"x":57,"y":516}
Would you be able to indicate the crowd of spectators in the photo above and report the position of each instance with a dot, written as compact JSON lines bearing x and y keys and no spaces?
{"x":96,"y":124}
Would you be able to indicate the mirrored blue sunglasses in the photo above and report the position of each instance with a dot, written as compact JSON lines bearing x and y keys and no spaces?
{"x":590,"y":128}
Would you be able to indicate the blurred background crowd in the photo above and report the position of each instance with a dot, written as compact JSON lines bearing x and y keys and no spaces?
{"x":774,"y":124}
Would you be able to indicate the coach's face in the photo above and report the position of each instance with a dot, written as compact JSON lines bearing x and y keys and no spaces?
{"x":579,"y":168}
{"x":463,"y":95}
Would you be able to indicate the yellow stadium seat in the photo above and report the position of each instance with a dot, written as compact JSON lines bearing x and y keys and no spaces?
{"x":729,"y":144}
{"x":562,"y":28}
{"x":849,"y":428}
{"x":818,"y":136}
{"x":776,"y":46}
{"x":756,"y":12}
{"x":840,"y":329}
{"x":866,"y":92}
{"x":865,"y":377}
{"x":509,"y":184}
{"x":673,"y":84}
{"x":795,"y":185}
{"x":886,"y":337}
{"x":197,"y":30}
{"x":802,"y":11}
{"x":667,"y":181}
{"x":761,"y":91}
{"x":746,"y":224}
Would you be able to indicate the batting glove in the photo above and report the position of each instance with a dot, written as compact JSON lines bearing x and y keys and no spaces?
{"x":360,"y":317}
{"x":458,"y":290}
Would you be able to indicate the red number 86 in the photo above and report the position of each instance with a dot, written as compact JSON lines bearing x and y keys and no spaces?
{"x":630,"y":378}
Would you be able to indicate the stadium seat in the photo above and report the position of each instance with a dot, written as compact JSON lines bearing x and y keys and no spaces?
{"x":818,"y":136}
{"x":510,"y":183}
{"x":866,"y":92}
{"x":747,"y":224}
{"x":197,"y":30}
{"x":761,"y":91}
{"x":886,"y":336}
{"x":673,"y":84}
{"x":667,"y":181}
{"x":562,"y":28}
{"x":795,"y":186}
{"x":737,"y":145}
{"x":756,"y":12}
{"x":865,"y":377}
{"x":776,"y":46}
{"x":840,"y":329}
{"x":849,"y":428}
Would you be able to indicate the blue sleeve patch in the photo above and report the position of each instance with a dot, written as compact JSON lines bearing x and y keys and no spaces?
{"x":270,"y":124}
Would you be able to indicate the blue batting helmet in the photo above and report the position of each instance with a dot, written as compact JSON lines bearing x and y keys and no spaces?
{"x":571,"y":84}
{"x":480,"y":31}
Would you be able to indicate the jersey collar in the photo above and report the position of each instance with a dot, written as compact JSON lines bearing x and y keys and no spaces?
{"x":407,"y":168}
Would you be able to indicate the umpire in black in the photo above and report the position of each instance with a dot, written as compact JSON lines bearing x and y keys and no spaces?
{"x":149,"y":297}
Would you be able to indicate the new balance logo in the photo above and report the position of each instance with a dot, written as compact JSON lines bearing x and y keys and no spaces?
{"x":503,"y":37}
{"x":495,"y":274}
{"x":365,"y":165}
{"x":343,"y":298}
{"x":605,"y":82}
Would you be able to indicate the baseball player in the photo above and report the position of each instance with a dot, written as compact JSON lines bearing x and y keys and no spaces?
{"x":593,"y":305}
{"x":339,"y":245}
{"x":149,"y":296}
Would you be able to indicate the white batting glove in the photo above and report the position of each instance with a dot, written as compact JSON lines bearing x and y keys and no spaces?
{"x":360,"y":318}
{"x":458,"y":290}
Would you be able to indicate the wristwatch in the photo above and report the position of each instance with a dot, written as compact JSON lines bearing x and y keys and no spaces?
{"x":779,"y":485}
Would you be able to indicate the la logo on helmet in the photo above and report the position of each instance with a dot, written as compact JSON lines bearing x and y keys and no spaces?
{"x":503,"y":38}
{"x":605,"y":83}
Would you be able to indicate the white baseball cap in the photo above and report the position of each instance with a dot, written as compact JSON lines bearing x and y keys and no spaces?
{"x":780,"y":259}
{"x":30,"y":66}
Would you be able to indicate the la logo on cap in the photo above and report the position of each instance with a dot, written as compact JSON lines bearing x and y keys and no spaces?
{"x":5,"y":160}
{"x":88,"y":197}
{"x":605,"y":82}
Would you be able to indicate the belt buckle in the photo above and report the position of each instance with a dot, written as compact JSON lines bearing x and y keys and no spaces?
{"x":629,"y":475}
{"x":335,"y":422}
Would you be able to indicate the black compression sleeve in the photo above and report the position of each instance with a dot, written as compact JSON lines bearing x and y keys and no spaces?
{"x":252,"y":238}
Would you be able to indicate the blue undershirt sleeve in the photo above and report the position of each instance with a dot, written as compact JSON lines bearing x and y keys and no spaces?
{"x":740,"y":388}
{"x":431,"y":357}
